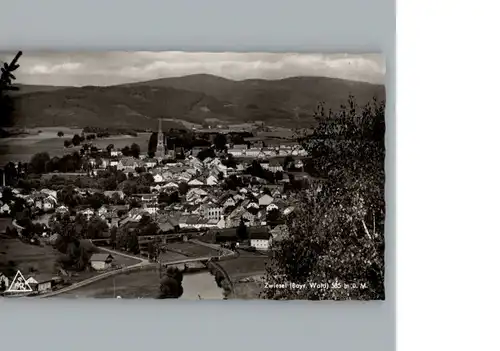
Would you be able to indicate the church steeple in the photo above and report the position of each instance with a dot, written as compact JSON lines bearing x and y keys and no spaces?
{"x":160,"y":147}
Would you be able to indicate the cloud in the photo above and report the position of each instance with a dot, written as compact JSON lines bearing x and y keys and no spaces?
{"x":107,"y":68}
{"x":67,"y":67}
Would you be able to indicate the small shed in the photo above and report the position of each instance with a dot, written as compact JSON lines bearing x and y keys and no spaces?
{"x":40,"y":282}
{"x":101,"y":261}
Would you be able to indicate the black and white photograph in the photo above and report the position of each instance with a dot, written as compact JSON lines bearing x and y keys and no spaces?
{"x":192,"y":175}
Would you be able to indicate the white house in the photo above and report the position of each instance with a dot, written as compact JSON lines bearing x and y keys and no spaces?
{"x":5,"y":209}
{"x":211,"y":181}
{"x":260,"y":238}
{"x":253,"y":152}
{"x":252,"y":205}
{"x":158,"y":178}
{"x":129,"y":163}
{"x":213,"y":212}
{"x":236,"y":152}
{"x":288,"y":210}
{"x":49,"y":203}
{"x":62,"y":209}
{"x":271,"y":207}
{"x":195,"y":182}
{"x":275,"y":166}
{"x":171,"y":185}
{"x":265,"y":200}
{"x":229,"y":202}
{"x":150,"y":162}
{"x":101,"y":261}
{"x":116,"y":153}
{"x":87,"y":213}
{"x":114,"y":163}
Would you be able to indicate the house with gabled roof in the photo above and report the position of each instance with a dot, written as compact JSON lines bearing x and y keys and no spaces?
{"x":265,"y":200}
{"x":212,"y":180}
{"x":41,"y":282}
{"x":150,"y":162}
{"x":101,"y":261}
{"x":195,"y":182}
{"x":88,"y":212}
{"x":158,"y":178}
{"x":129,"y":163}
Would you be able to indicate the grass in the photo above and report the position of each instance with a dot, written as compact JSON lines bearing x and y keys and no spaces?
{"x":40,"y":259}
{"x":169,"y":256}
{"x":247,"y":264}
{"x":146,"y":284}
{"x":192,"y":250}
{"x":22,"y":149}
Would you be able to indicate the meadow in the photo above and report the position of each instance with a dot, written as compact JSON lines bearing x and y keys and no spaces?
{"x":245,"y":265}
{"x":27,"y":258}
{"x":22,"y":148}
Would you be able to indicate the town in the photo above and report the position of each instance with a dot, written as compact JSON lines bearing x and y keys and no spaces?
{"x":223,"y":190}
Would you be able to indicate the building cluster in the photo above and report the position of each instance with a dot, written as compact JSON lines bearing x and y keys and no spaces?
{"x":202,"y":205}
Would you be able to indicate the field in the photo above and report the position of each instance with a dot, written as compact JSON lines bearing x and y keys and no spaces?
{"x":22,"y":148}
{"x":169,"y":256}
{"x":145,"y":284}
{"x":192,"y":250}
{"x":247,"y":264}
{"x":39,"y":259}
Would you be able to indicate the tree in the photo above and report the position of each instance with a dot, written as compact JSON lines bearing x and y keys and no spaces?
{"x":3,"y":287}
{"x":171,"y":285}
{"x":153,"y":142}
{"x":67,"y":143}
{"x":95,"y":228}
{"x":135,"y":150}
{"x":203,"y":154}
{"x":287,"y":162}
{"x":126,"y":151}
{"x":220,"y":142}
{"x":242,"y":232}
{"x":336,"y":233}
{"x":112,"y":237}
{"x":109,"y":148}
{"x":38,"y":162}
{"x":183,"y":188}
{"x":76,"y":140}
{"x":6,"y":78}
{"x":60,"y":134}
{"x":273,"y":215}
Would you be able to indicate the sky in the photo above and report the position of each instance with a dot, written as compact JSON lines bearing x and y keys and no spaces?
{"x":110,"y":68}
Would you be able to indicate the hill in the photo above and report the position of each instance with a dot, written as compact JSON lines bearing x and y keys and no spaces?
{"x":194,"y":98}
{"x":26,"y":88}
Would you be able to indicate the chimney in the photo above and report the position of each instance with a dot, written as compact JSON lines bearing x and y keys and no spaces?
{"x":3,"y":178}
